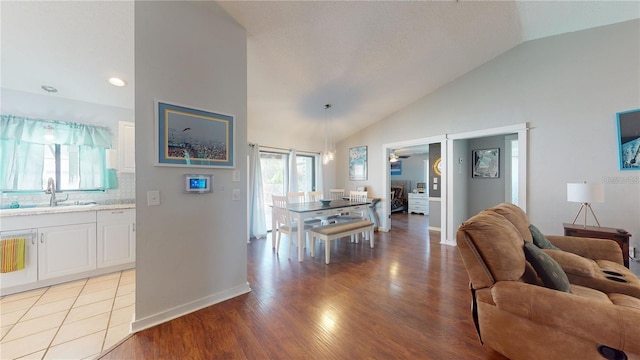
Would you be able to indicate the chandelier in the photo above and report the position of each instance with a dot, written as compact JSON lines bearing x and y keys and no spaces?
{"x":329,"y":150}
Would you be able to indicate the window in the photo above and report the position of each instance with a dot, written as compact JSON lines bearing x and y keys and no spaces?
{"x":274,"y":175}
{"x":34,"y":150}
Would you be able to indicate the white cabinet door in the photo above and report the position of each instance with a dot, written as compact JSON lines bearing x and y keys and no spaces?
{"x":66,"y":250}
{"x":127,"y":146}
{"x":116,"y":237}
{"x":30,"y":272}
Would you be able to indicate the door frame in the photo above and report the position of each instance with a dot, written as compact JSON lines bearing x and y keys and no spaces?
{"x":455,"y":216}
{"x":385,"y":219}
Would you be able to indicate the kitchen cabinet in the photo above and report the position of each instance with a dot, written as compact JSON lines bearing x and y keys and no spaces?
{"x":66,"y":250}
{"x":116,"y":237}
{"x":127,"y":146}
{"x":63,"y":245}
{"x":419,"y":203}
{"x":30,"y":272}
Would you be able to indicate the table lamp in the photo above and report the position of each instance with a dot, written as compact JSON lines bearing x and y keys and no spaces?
{"x":585,"y":194}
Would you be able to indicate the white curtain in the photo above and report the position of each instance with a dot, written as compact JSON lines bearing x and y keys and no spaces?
{"x":293,"y":171}
{"x":320,"y":178}
{"x":257,"y":223}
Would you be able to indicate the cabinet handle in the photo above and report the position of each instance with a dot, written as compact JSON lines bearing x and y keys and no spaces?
{"x":117,"y":212}
{"x":34,"y":238}
{"x":134,"y":227}
{"x":42,"y":238}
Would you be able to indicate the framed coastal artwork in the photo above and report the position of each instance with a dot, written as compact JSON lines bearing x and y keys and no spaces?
{"x":485,"y":163}
{"x":358,"y":163}
{"x":188,"y":137}
{"x":629,"y":139}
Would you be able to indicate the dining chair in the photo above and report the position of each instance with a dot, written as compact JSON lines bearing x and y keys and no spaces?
{"x":315,"y":195}
{"x":356,"y":196}
{"x":297,"y":197}
{"x":284,"y":224}
{"x":336,"y":194}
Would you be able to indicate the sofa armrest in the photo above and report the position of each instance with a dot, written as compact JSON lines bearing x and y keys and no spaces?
{"x":595,"y":319}
{"x":596,"y":249}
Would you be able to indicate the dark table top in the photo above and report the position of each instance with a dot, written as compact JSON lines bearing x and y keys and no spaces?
{"x":317,"y":205}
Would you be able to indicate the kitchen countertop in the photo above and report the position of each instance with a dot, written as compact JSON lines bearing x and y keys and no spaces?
{"x":62,"y":209}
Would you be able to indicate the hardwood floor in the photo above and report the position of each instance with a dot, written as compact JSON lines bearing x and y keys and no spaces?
{"x":407,"y":298}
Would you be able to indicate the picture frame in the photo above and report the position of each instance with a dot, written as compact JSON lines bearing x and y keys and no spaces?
{"x":358,"y":163}
{"x":629,"y":139}
{"x":189,"y":137}
{"x":396,"y":168}
{"x":485,"y":163}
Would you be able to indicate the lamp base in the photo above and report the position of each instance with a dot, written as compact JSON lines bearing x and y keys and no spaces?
{"x":587,"y":208}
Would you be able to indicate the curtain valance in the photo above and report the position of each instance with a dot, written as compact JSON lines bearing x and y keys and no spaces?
{"x":42,"y":131}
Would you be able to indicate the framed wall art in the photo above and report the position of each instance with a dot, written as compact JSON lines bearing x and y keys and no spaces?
{"x":629,"y":139}
{"x":358,"y":163}
{"x":187,"y":137}
{"x":485,"y":163}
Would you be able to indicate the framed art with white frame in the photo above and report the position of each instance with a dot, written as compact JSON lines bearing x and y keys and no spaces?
{"x":188,"y":137}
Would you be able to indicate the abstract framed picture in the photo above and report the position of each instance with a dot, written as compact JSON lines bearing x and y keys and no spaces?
{"x":629,"y":139}
{"x":358,"y":163}
{"x":188,"y":137}
{"x":485,"y":163}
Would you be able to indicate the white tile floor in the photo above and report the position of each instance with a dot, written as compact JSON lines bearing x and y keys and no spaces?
{"x":74,"y":320}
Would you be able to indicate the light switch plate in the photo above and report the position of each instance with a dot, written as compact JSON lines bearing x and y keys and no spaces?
{"x":153,"y":197}
{"x":235,"y":195}
{"x":236,"y":175}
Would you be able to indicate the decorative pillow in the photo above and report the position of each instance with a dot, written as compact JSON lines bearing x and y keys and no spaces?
{"x":539,"y":239}
{"x":549,"y":271}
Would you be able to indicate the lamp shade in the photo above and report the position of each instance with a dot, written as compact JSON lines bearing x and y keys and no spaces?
{"x":585,"y":193}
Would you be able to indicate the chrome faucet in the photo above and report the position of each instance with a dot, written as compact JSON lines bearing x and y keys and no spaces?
{"x":51,"y":189}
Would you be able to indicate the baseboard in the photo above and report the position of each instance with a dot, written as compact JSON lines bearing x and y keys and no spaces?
{"x":184,"y":309}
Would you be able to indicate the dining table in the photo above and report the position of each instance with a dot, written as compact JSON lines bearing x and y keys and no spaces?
{"x":315,"y":209}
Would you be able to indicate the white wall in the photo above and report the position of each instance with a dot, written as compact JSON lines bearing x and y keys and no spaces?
{"x":568,"y":88}
{"x":192,"y":249}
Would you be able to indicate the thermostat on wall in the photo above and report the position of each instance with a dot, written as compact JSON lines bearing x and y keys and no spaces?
{"x":198,"y":183}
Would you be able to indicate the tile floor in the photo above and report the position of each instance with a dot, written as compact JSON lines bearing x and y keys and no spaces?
{"x":74,"y":320}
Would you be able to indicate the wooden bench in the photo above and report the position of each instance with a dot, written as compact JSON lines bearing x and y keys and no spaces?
{"x":337,"y":231}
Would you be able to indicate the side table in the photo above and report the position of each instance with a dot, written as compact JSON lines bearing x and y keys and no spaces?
{"x":622,"y":238}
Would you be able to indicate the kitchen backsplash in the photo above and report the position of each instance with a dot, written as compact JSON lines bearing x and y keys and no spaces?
{"x":125,"y":193}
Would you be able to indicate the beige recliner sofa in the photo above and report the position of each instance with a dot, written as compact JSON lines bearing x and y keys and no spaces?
{"x":594,"y":263}
{"x":518,"y":314}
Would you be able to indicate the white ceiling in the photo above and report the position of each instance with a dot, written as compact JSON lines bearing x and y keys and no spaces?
{"x":368,"y":59}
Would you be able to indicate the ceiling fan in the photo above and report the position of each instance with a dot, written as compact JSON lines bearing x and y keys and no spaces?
{"x":393,"y":157}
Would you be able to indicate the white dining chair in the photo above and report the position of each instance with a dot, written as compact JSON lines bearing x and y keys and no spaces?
{"x":336,"y":194}
{"x":298,"y":197}
{"x":356,"y":196}
{"x":284,"y":223}
{"x":315,"y":195}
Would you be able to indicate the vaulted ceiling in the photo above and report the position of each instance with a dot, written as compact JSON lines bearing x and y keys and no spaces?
{"x":368,"y":59}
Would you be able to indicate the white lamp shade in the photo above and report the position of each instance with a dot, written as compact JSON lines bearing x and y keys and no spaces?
{"x":585,"y":193}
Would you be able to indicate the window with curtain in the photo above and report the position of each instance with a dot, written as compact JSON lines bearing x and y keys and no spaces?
{"x":34,"y":150}
{"x":274,"y":167}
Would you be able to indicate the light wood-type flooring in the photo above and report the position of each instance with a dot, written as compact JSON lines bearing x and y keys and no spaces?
{"x":407,"y":298}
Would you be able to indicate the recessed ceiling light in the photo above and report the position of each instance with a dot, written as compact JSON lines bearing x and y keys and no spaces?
{"x":49,"y":89}
{"x":117,"y":82}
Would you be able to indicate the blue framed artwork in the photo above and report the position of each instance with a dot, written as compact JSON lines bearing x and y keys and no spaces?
{"x":629,"y":139}
{"x":187,"y":137}
{"x":358,"y":163}
{"x":396,"y":167}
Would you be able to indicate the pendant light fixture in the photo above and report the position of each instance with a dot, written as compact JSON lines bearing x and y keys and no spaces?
{"x":329,"y":151}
